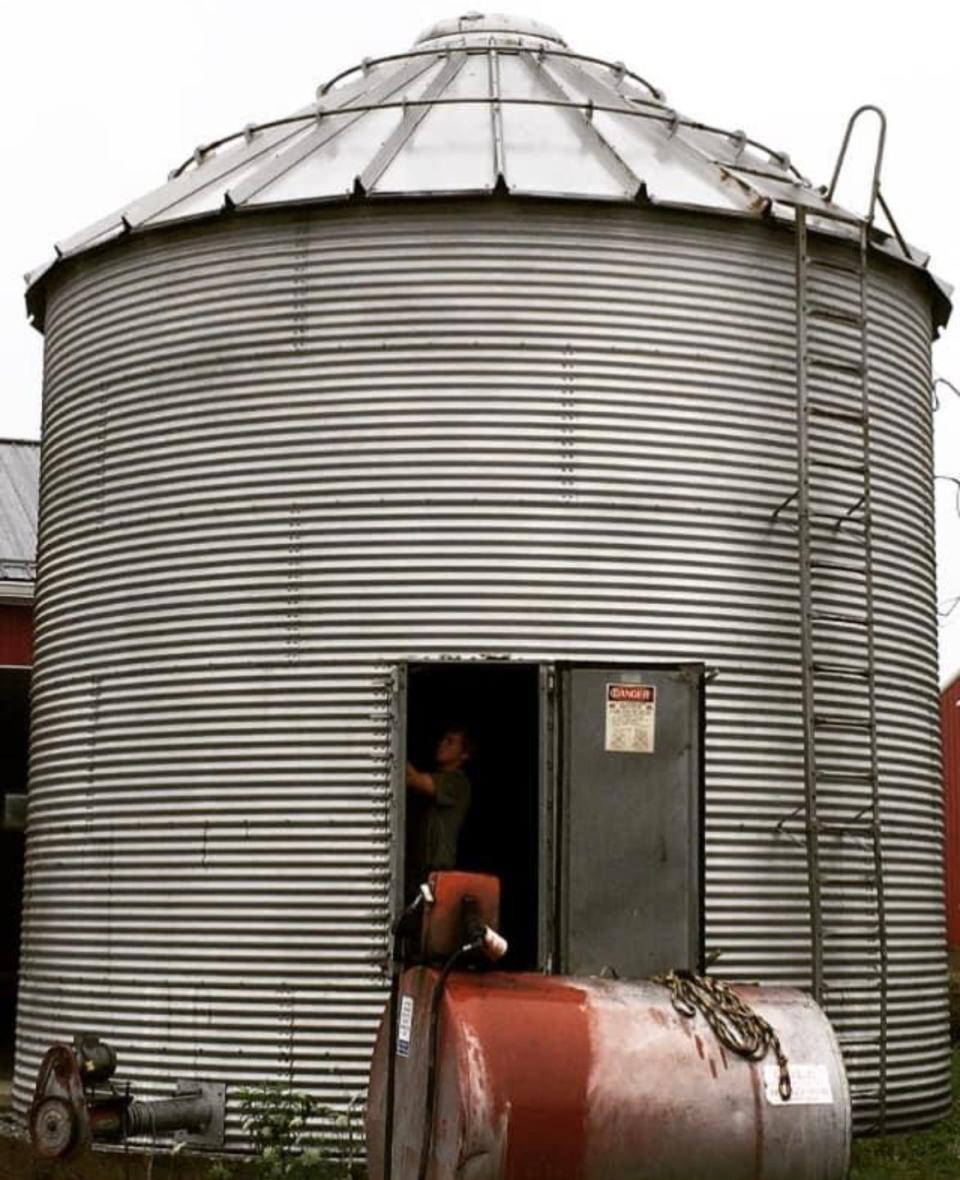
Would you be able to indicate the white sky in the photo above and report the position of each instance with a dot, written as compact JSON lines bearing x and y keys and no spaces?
{"x":102,"y":98}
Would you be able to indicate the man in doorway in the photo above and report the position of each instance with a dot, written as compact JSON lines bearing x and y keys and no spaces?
{"x":445,"y":796}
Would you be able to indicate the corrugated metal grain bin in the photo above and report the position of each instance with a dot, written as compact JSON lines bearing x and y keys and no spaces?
{"x":489,"y":356}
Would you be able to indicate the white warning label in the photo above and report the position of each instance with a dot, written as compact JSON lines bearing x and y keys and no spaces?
{"x":809,"y":1085}
{"x":631,"y":718}
{"x":405,"y":1026}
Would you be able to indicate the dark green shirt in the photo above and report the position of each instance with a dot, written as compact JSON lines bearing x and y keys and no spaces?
{"x":443,"y":818}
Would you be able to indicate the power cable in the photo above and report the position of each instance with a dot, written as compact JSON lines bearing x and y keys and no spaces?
{"x":956,"y":483}
{"x":952,"y":604}
{"x":933,"y":389}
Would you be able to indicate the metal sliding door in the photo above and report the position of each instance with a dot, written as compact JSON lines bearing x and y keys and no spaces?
{"x":630,"y":896}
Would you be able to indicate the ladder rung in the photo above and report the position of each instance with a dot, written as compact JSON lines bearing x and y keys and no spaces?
{"x":828,"y":563}
{"x":829,"y":721}
{"x":850,"y":777}
{"x":845,"y":368}
{"x":867,"y":828}
{"x":841,"y":671}
{"x":838,"y":465}
{"x":832,"y":518}
{"x":845,"y":268}
{"x":871,"y":983}
{"x":835,"y":617}
{"x":829,"y":214}
{"x":861,"y":1092}
{"x":840,"y":315}
{"x":819,"y":410}
{"x":852,"y":927}
{"x":848,"y":368}
{"x":872,"y":966}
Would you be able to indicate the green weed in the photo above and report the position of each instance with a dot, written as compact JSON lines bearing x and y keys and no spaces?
{"x":276,"y":1118}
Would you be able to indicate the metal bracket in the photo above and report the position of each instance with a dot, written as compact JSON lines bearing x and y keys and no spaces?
{"x":216,"y":1094}
{"x":775,"y":514}
{"x":692,"y":674}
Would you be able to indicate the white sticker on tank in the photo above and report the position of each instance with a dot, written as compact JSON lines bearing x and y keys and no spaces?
{"x":809,"y":1085}
{"x":631,"y":718}
{"x":405,"y":1026}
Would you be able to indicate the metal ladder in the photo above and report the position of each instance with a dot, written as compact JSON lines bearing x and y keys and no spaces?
{"x":840,"y":813}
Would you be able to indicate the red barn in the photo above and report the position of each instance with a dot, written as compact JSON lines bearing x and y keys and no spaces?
{"x":19,"y":478}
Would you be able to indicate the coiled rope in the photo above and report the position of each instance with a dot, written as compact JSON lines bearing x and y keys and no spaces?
{"x":735,"y":1024}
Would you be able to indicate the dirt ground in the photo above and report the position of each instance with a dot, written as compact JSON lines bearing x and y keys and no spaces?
{"x":17,"y":1162}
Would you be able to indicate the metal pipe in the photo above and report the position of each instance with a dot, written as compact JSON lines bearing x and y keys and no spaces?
{"x":878,"y":159}
{"x":187,"y":1112}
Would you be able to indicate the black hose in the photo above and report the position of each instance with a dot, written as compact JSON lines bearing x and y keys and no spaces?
{"x":435,"y":1002}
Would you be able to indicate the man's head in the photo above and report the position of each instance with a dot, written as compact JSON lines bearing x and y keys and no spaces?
{"x":454,"y":748}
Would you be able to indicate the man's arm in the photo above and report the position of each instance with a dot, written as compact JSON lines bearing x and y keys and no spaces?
{"x":418,"y":781}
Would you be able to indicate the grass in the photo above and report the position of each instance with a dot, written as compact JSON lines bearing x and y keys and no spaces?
{"x":929,"y":1155}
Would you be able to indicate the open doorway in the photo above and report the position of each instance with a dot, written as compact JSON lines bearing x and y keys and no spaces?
{"x":14,"y":725}
{"x":499,"y":705}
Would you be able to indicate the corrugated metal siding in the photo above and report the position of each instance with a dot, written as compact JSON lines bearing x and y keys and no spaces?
{"x":283,"y":453}
{"x":19,"y":480}
{"x":950,"y":732}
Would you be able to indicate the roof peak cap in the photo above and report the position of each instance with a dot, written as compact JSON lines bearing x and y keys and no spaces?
{"x":486,"y":28}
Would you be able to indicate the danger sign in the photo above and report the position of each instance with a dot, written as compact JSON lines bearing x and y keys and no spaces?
{"x":644,"y":693}
{"x":631,"y":718}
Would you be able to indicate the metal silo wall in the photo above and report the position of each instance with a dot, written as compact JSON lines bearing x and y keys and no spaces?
{"x":284,"y":451}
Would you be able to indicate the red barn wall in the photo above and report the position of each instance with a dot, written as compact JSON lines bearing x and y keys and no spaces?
{"x":16,"y":635}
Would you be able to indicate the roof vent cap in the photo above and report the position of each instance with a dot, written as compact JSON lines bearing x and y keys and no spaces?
{"x":490,"y":28}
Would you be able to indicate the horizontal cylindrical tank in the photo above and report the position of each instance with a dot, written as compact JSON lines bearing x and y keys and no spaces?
{"x":285,"y":452}
{"x":578,"y":1079}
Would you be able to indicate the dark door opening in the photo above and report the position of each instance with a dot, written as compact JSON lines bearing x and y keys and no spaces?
{"x":14,"y":724}
{"x":499,"y":705}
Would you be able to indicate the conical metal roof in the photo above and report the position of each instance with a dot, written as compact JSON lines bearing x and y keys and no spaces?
{"x":480,"y":104}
